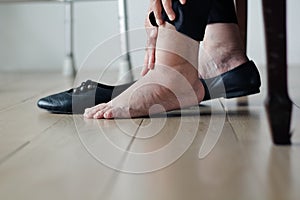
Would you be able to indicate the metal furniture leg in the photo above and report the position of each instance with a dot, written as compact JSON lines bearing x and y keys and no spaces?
{"x":125,"y":72}
{"x":69,"y":68}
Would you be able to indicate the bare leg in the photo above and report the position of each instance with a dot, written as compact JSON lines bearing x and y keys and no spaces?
{"x":222,"y":49}
{"x":171,"y":85}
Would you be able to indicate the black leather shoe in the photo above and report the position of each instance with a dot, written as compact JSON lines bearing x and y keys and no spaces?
{"x":76,"y":100}
{"x":241,"y":81}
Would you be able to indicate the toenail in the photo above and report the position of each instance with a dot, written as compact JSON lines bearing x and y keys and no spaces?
{"x":105,"y":115}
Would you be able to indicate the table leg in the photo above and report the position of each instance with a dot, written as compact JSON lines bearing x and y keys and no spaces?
{"x":278,"y":103}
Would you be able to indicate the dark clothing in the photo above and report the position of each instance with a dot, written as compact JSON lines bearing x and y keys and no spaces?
{"x":192,"y":18}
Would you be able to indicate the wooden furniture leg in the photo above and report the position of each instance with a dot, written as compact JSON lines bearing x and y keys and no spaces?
{"x":278,"y":104}
{"x":242,"y":14}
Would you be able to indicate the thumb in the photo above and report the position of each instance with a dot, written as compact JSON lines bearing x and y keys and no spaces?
{"x":182,"y":1}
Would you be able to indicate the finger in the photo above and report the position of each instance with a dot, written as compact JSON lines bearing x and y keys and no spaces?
{"x":146,"y":58}
{"x":167,"y":4}
{"x":182,"y":1}
{"x":152,"y":48}
{"x":157,"y":12}
{"x":151,"y":58}
{"x":145,"y":71}
{"x":145,"y":68}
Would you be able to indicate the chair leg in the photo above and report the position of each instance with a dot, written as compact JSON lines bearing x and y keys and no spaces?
{"x":242,"y":13}
{"x":278,"y":104}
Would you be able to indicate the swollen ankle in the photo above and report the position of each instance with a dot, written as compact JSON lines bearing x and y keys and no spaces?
{"x":219,"y":59}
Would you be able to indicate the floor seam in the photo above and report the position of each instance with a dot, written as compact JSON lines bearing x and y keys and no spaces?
{"x":18,"y":149}
{"x":229,"y":122}
{"x":11,"y":154}
{"x":28,"y":99}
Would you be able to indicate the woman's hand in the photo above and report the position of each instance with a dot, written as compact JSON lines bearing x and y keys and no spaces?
{"x":152,"y":32}
{"x":157,"y":6}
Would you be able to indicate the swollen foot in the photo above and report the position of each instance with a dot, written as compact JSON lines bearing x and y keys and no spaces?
{"x":162,"y":89}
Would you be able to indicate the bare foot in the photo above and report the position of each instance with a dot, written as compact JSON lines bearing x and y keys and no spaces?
{"x":173,"y":83}
{"x":162,"y":89}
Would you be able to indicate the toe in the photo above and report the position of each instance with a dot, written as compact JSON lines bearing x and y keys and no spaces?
{"x":100,"y":114}
{"x":116,"y":112}
{"x":90,"y":112}
{"x":109,"y":114}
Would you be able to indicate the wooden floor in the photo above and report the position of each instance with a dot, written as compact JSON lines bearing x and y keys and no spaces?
{"x":47,"y":156}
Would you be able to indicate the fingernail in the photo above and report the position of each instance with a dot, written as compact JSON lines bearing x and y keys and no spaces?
{"x":159,"y":22}
{"x":172,"y":17}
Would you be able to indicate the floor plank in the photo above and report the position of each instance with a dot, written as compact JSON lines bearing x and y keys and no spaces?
{"x":20,"y":119}
{"x":46,"y":156}
{"x":20,"y":87}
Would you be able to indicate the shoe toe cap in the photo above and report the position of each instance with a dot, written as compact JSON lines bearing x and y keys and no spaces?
{"x":44,"y":103}
{"x":61,"y":102}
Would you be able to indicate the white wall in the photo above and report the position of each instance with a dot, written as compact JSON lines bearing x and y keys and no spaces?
{"x":256,"y":45}
{"x":32,"y":34}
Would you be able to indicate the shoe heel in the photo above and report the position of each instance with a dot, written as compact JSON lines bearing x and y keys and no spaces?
{"x":236,"y":94}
